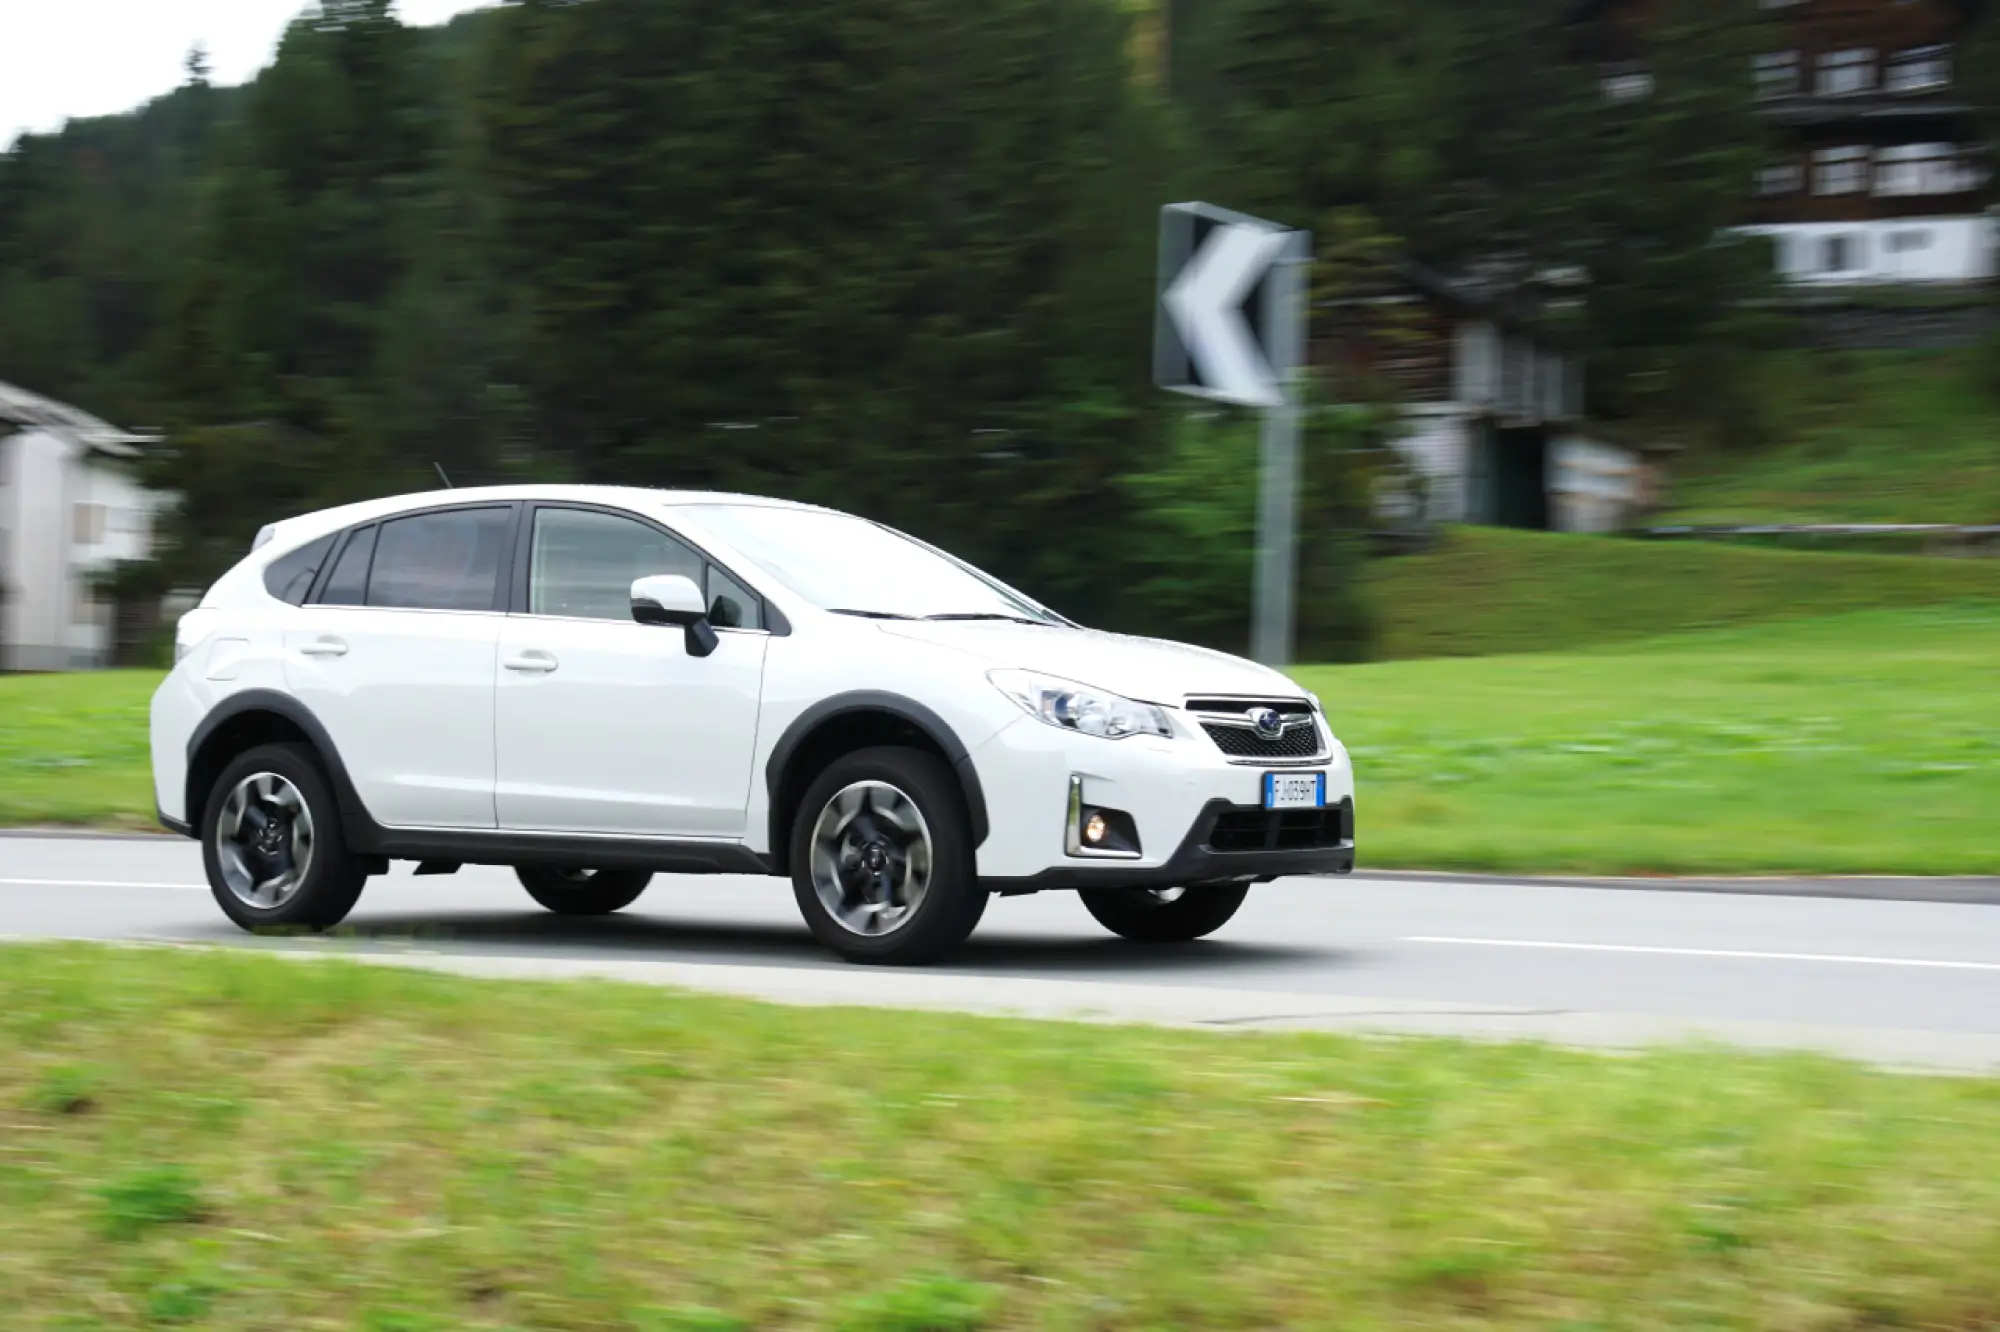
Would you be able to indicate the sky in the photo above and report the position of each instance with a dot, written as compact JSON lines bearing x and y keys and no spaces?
{"x":73,"y":58}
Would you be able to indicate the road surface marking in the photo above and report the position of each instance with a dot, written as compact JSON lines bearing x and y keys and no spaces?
{"x":100,"y":883}
{"x":1711,"y":952}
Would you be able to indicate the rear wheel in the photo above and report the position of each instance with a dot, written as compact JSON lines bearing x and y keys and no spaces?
{"x":272,"y":845}
{"x":881,"y":855}
{"x":1164,"y":915}
{"x":582,"y":892}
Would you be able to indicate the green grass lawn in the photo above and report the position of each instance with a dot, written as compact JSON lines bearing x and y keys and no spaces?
{"x":1867,"y":743}
{"x":1852,"y":744}
{"x":74,"y":748}
{"x":1875,"y":437}
{"x":238,"y":1142}
{"x":1489,"y":590}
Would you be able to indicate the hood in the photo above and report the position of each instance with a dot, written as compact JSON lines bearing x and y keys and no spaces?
{"x":1151,"y":670}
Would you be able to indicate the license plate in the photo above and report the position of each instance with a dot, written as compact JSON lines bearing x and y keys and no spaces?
{"x":1294,"y":790}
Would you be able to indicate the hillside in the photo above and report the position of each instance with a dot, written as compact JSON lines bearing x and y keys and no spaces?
{"x":1875,"y":437}
{"x":1492,"y":590}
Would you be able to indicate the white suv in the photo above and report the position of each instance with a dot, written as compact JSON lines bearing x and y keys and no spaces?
{"x":592,"y":685}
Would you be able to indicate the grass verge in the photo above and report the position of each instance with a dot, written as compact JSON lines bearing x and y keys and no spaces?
{"x":1490,"y":590}
{"x":1849,"y":745}
{"x":234,"y":1141}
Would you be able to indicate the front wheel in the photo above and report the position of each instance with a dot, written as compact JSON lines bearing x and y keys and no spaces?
{"x":582,"y":892}
{"x":1164,"y":915}
{"x":881,"y":856}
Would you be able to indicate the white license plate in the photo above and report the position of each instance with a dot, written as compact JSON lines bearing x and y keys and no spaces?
{"x":1296,"y":790}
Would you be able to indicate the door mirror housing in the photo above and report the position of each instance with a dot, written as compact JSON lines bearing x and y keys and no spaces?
{"x":674,"y":599}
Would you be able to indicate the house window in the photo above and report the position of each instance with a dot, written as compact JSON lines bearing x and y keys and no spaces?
{"x":1840,"y":170}
{"x":1840,"y":253}
{"x":1912,"y":169}
{"x":1777,"y":74}
{"x":1903,"y":241}
{"x":87,"y":522}
{"x":1918,"y":69}
{"x":1626,"y":82}
{"x":1779,"y":178}
{"x":1843,"y":73}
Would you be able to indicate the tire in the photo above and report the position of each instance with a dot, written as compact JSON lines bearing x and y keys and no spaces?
{"x":1146,"y":916}
{"x":569,"y":892}
{"x":281,"y":861}
{"x":864,"y":888}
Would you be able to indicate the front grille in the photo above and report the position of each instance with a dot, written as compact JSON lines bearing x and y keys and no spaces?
{"x":1300,"y":740}
{"x":1282,"y":829}
{"x":1227,"y":723}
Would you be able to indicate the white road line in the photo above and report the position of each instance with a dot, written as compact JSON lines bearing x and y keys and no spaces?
{"x":100,"y":883}
{"x":1745,"y":954}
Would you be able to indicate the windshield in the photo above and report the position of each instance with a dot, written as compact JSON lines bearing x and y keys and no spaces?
{"x":853,"y":566}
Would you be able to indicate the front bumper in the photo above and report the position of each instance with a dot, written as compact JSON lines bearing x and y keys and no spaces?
{"x":1198,"y":816}
{"x":1228,"y":844}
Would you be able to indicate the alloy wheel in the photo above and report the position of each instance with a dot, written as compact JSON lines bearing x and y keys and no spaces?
{"x":871,"y":858}
{"x":264,"y":840}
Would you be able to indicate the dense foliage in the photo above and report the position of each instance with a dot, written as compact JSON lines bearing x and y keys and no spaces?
{"x":894,"y":255}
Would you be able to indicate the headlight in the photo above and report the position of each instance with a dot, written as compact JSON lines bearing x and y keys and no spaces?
{"x":1076,"y":707}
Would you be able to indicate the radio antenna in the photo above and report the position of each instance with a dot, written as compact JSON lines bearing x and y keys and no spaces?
{"x":441,"y":476}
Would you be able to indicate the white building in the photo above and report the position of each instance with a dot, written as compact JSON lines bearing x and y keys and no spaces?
{"x":1893,"y":250}
{"x":70,"y":507}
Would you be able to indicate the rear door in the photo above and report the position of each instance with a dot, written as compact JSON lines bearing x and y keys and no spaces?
{"x":394,"y":653}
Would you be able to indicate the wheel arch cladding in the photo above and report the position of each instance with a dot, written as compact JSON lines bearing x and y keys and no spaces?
{"x":849,"y":722}
{"x":251,"y":718}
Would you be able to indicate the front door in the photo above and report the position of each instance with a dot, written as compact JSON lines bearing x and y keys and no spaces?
{"x":609,"y":726}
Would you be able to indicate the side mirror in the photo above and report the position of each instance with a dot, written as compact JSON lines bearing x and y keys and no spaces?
{"x":673,"y":599}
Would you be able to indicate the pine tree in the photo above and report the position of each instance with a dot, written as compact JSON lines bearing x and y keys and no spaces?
{"x":888,"y":254}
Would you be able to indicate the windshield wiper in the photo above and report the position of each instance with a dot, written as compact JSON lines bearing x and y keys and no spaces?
{"x":993,"y":615}
{"x":871,"y":615}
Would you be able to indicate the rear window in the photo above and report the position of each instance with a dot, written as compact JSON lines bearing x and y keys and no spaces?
{"x":290,"y":577}
{"x":440,"y":561}
{"x":347,"y":585}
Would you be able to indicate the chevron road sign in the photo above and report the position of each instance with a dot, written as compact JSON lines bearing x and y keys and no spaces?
{"x":1230,"y":326}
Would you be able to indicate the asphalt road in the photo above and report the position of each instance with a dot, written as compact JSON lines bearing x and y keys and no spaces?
{"x":1905,"y":982}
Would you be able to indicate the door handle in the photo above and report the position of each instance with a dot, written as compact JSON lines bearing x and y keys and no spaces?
{"x":532,"y":663}
{"x":325,"y":647}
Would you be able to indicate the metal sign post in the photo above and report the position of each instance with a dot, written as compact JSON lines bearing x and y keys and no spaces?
{"x":1231,"y":327}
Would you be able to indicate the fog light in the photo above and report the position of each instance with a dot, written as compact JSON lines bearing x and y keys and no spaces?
{"x":1098,"y":833}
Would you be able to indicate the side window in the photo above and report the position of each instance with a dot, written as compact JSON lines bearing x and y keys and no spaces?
{"x":583,"y":563}
{"x":730,"y":604}
{"x":290,"y":577}
{"x":439,"y":561}
{"x":347,"y":585}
